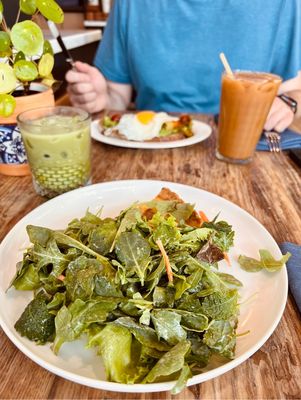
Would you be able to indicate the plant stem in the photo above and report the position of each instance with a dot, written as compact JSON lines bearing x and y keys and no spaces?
{"x":3,"y":24}
{"x":26,"y":88}
{"x":18,"y":16}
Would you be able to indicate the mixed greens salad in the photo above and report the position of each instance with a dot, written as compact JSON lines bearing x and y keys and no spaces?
{"x":144,"y":288}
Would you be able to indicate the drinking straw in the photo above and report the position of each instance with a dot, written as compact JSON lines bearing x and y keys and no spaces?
{"x":226,"y":65}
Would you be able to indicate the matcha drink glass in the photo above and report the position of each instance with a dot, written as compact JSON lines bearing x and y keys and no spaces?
{"x":58,"y":147}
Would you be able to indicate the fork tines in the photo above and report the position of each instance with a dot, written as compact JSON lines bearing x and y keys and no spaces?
{"x":273,"y":141}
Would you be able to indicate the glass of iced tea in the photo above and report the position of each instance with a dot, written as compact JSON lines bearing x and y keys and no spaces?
{"x":246,"y":99}
{"x":58,"y":147}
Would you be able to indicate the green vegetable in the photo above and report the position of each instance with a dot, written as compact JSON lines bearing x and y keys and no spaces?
{"x":171,"y":362}
{"x":267,"y":261}
{"x":106,"y":279}
{"x":108,"y":122}
{"x":36,"y":322}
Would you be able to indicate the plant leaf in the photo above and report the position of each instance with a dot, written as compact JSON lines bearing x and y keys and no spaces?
{"x":128,"y":222}
{"x":182,"y":380}
{"x":170,"y":362}
{"x":51,"y":10}
{"x":221,"y":305}
{"x":72,"y":321}
{"x":133,"y":251}
{"x":27,"y":36}
{"x":167,"y":325}
{"x":28,"y":6}
{"x":102,"y":237}
{"x":267,"y":261}
{"x":7,"y":79}
{"x":221,"y":337}
{"x":36,"y":323}
{"x":144,"y":334}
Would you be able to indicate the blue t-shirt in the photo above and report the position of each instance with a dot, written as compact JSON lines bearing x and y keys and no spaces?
{"x":168,"y":50}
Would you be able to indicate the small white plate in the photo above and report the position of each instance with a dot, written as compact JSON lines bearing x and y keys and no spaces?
{"x":201,"y":131}
{"x":263,"y":296}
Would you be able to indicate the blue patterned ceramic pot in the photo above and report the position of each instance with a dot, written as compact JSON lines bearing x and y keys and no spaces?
{"x":13,"y":159}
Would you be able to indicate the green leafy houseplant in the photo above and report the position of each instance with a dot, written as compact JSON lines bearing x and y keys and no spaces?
{"x":25,"y":56}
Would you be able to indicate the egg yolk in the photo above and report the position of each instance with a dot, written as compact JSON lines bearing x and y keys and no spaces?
{"x":145,"y":117}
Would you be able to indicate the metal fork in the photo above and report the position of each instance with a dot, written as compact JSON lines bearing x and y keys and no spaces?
{"x":273,"y":141}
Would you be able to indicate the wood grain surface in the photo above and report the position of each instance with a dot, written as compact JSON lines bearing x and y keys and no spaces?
{"x":269,"y":188}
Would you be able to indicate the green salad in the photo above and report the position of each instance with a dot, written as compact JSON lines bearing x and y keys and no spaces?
{"x":143,"y":288}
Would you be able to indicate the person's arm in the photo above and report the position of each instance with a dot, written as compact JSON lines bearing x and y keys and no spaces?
{"x":88,"y":89}
{"x":281,"y":115}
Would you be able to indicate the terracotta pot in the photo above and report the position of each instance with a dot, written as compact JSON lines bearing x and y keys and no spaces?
{"x":12,"y":153}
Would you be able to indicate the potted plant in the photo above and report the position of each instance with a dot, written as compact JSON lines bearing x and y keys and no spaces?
{"x":26,"y":63}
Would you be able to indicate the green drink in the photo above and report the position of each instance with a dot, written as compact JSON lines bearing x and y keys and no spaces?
{"x":58,"y":145}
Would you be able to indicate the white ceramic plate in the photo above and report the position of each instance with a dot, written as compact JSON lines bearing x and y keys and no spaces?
{"x":267,"y":292}
{"x":201,"y":131}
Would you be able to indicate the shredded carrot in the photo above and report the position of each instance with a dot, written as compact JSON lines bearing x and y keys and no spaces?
{"x":61,"y":277}
{"x":203,"y":216}
{"x":227,"y":259}
{"x":166,"y":261}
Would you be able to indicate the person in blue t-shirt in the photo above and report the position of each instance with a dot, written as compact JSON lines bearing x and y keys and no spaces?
{"x":167,"y":51}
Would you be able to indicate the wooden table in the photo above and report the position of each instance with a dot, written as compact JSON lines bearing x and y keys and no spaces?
{"x":269,"y":188}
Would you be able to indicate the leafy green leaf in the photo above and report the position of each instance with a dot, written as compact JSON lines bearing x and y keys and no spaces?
{"x":7,"y":79}
{"x":45,"y":65}
{"x":36,"y":323}
{"x":57,"y":302}
{"x":229,"y":279}
{"x":128,"y":222}
{"x":27,"y":36}
{"x":224,"y":235}
{"x":164,"y":296}
{"x":105,"y":286}
{"x":47,"y":48}
{"x":115,"y":347}
{"x":51,"y":10}
{"x":19,"y":56}
{"x":7,"y":104}
{"x":133,"y":251}
{"x":102,"y":237}
{"x":172,"y":361}
{"x":28,"y":6}
{"x":182,"y":380}
{"x":50,"y":255}
{"x":144,"y":334}
{"x":221,"y":305}
{"x":193,"y":321}
{"x":4,"y":41}
{"x":200,"y":352}
{"x":38,"y":234}
{"x":221,"y":337}
{"x":267,"y":261}
{"x":72,"y":321}
{"x":167,"y":325}
{"x":27,"y":277}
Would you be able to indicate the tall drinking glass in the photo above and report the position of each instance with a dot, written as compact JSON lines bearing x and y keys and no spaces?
{"x":58,"y":147}
{"x":246,"y":99}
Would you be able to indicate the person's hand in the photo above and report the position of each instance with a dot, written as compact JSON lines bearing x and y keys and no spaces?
{"x":87,"y":87}
{"x":279,"y":117}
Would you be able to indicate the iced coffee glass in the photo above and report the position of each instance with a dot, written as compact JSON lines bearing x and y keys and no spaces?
{"x":246,"y":99}
{"x":58,"y":145}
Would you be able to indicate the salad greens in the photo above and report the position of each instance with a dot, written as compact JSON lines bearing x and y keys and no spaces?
{"x":144,"y":288}
{"x":267,"y":262}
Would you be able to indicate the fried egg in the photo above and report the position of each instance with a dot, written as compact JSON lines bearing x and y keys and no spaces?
{"x":145,"y":125}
